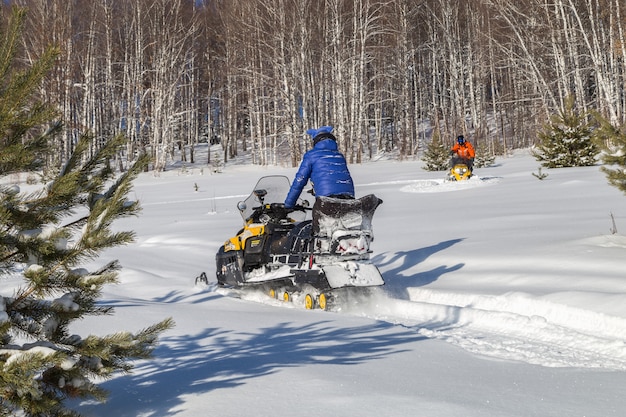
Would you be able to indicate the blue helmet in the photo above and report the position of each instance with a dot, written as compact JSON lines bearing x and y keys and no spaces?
{"x":321,"y":133}
{"x":460,"y":139}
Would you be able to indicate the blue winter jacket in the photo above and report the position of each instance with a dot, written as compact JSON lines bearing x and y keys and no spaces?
{"x":328,"y":171}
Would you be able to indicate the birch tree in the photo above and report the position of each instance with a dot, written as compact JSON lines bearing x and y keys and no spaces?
{"x":385,"y":73}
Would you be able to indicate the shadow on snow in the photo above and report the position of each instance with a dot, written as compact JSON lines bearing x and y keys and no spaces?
{"x":220,"y":359}
{"x":394,"y":268}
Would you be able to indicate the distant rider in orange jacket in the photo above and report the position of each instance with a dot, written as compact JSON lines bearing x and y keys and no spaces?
{"x":463,"y":152}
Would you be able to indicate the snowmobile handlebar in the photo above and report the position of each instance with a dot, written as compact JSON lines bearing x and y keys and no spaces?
{"x":282,"y":211}
{"x":275,"y":211}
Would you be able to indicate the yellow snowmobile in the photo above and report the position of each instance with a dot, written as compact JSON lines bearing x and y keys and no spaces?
{"x":287,"y":255}
{"x":461,"y":170}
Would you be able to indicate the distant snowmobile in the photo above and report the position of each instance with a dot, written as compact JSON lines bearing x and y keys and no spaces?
{"x":460,"y":170}
{"x":285,"y":254}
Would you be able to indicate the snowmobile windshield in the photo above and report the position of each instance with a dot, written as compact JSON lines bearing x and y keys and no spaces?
{"x":268,"y":190}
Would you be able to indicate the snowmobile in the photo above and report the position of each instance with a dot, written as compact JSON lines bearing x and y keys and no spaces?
{"x":460,"y":170}
{"x":287,"y":253}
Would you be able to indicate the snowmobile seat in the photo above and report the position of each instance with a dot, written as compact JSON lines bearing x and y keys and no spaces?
{"x":344,"y":226}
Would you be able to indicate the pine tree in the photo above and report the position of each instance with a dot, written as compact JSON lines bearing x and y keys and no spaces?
{"x":566,"y":141}
{"x":484,"y":157}
{"x":437,"y":155}
{"x":45,"y":236}
{"x":613,"y":142}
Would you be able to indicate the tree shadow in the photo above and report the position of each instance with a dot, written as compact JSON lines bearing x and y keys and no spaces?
{"x":217,"y":358}
{"x":395,"y":268}
{"x":172,"y":297}
{"x":221,"y":359}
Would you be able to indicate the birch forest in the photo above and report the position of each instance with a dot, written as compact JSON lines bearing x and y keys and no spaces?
{"x":253,"y":75}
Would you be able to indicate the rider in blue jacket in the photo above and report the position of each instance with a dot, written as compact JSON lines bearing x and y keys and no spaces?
{"x":325,"y":166}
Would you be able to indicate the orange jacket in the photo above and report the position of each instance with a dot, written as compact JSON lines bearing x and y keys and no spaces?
{"x":464,"y":151}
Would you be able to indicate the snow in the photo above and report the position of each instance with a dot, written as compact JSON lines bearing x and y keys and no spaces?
{"x":3,"y":313}
{"x":504,"y":295}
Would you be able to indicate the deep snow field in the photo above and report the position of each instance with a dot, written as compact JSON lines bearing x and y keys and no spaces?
{"x":504,"y":296}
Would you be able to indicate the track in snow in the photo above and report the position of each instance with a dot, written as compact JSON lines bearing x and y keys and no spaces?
{"x":507,"y":327}
{"x":438,"y":185}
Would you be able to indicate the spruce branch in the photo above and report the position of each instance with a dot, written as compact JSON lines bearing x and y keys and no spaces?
{"x":46,"y":235}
